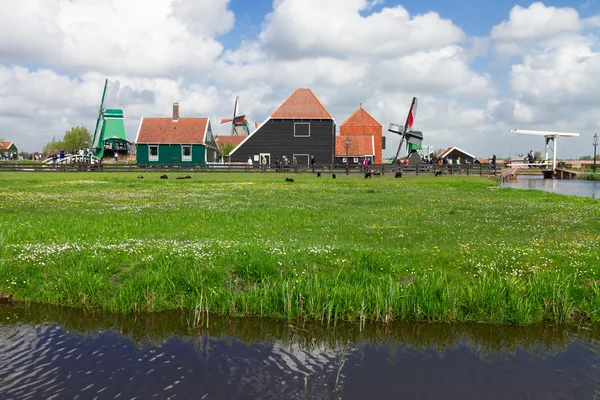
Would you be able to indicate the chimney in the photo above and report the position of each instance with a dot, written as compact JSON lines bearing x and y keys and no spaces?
{"x":175,"y":112}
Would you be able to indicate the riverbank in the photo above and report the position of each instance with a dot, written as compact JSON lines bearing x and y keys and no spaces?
{"x":590,"y":176}
{"x":454,"y":248}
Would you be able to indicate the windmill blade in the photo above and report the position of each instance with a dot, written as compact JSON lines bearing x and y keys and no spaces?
{"x":100,"y":112}
{"x":235,"y":110}
{"x":412,"y":114}
{"x":226,"y":120}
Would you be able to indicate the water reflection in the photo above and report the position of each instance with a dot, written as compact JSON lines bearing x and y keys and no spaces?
{"x":559,"y":186}
{"x":50,"y":351}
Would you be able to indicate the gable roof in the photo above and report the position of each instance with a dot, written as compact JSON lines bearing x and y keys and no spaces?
{"x":225,"y":139}
{"x":359,"y":146}
{"x":6,"y":145}
{"x":302,"y":104}
{"x":167,"y":131}
{"x":361,"y":118}
{"x":451,"y":149}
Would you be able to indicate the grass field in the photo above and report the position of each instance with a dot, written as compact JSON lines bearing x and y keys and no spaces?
{"x":454,"y":248}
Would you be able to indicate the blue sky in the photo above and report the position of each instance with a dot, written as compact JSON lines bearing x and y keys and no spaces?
{"x":474,"y":17}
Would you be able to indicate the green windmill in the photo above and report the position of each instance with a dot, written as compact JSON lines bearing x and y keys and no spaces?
{"x":112,"y":138}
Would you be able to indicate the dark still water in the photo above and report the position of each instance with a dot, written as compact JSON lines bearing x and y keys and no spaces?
{"x":48,"y":352}
{"x":560,"y":186}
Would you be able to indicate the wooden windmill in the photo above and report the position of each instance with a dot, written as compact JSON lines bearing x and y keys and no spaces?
{"x":239,"y":123}
{"x":112,"y":135}
{"x":414,"y":139}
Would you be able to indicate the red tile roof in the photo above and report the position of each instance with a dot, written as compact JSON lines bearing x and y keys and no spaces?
{"x":358,"y":146}
{"x":234,"y":140}
{"x":361,"y":118}
{"x":165,"y":130}
{"x":302,"y":104}
{"x":5,"y":145}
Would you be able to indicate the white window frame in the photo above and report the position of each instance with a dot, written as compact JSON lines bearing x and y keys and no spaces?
{"x":356,"y":160}
{"x":183,"y":156}
{"x":303,"y":155}
{"x":150,"y":156}
{"x":301,"y":123}
{"x":268,"y":155}
{"x":344,"y":160}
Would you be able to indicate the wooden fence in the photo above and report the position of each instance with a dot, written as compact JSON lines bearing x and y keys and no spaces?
{"x":377,"y":169}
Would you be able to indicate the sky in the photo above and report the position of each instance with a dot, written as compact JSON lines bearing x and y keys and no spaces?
{"x":478,"y":68}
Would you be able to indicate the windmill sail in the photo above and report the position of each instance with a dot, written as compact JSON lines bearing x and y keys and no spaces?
{"x":100,"y":115}
{"x":412,"y":115}
{"x":239,"y":124}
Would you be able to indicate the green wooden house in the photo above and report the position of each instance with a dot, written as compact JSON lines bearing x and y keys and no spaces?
{"x":8,"y":151}
{"x":175,"y":141}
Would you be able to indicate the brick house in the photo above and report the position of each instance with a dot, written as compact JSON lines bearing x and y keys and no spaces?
{"x":359,"y":127}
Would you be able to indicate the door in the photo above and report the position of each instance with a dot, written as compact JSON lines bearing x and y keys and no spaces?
{"x":267,"y":156}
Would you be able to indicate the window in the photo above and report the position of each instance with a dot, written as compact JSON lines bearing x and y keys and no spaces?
{"x":356,"y":160}
{"x":302,"y":129}
{"x":153,"y":153}
{"x":186,"y":153}
{"x":344,"y":160}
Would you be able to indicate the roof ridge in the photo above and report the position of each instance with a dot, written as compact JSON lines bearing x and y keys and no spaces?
{"x":287,"y":103}
{"x":318,"y":101}
{"x":356,"y":112}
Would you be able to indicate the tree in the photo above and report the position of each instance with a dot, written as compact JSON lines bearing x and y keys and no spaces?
{"x":225,"y":149}
{"x":53,"y":146}
{"x":77,"y":138}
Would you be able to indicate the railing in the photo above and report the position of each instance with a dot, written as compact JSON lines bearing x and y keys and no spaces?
{"x":340,"y":169}
{"x":522,"y":164}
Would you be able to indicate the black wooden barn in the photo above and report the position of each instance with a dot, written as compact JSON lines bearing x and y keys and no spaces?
{"x":301,"y":127}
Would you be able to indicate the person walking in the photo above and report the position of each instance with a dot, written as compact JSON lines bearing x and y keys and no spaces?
{"x":312,"y":163}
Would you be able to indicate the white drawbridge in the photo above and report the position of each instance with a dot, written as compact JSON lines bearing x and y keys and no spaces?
{"x":548,"y":137}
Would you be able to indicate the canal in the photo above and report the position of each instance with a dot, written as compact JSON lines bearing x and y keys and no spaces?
{"x":52,"y":352}
{"x":559,"y":186}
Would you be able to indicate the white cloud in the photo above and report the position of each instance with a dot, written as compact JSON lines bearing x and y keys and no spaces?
{"x":143,"y":37}
{"x":592,"y":21}
{"x":537,"y":22}
{"x":299,"y":28}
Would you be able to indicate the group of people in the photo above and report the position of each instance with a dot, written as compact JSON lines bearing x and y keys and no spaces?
{"x":283,"y":164}
{"x":7,"y":155}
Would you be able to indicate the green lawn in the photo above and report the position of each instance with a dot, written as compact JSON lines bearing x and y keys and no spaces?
{"x":454,"y":248}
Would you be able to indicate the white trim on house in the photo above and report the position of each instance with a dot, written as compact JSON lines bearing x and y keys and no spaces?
{"x":373,"y":146}
{"x":138,"y":132}
{"x":209,"y":128}
{"x":268,"y":155}
{"x":185,"y":158}
{"x":301,"y":123}
{"x":249,"y":136}
{"x":150,"y":156}
{"x":451,"y":149}
{"x":298,"y":161}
